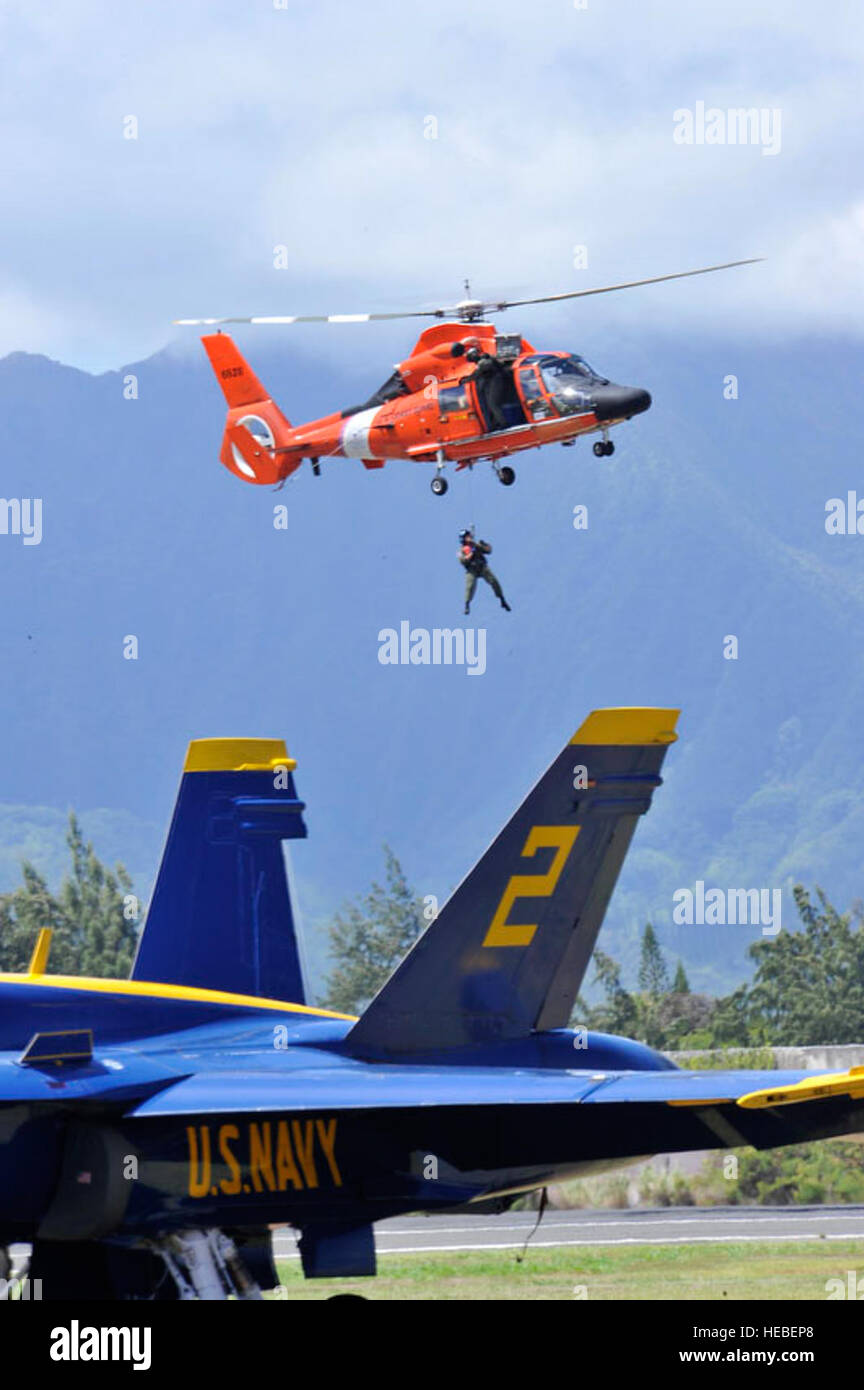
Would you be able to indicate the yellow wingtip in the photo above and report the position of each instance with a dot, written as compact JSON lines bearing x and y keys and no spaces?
{"x":628,"y":725}
{"x":822,"y":1087}
{"x":237,"y":755}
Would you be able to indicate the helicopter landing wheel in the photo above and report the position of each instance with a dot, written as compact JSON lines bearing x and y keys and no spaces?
{"x":506,"y":475}
{"x":439,"y":485}
{"x":603,"y":448}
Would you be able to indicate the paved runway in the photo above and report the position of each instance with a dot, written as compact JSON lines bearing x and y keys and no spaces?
{"x":669,"y":1226}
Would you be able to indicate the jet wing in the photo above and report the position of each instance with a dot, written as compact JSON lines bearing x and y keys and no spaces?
{"x":350,"y":1085}
{"x":642,"y":1112}
{"x":363,"y":1087}
{"x":691,"y":1087}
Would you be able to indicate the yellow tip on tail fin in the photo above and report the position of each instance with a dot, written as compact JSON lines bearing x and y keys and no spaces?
{"x":629,"y":725}
{"x":237,"y":755}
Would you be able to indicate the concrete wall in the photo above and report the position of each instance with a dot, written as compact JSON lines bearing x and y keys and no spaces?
{"x":791,"y":1058}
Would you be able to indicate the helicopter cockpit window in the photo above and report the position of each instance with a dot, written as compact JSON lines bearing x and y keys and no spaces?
{"x":452,"y":398}
{"x":394,"y":386}
{"x":568,"y":381}
{"x":536,"y":404}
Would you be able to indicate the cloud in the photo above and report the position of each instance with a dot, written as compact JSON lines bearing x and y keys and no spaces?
{"x":306,"y":127}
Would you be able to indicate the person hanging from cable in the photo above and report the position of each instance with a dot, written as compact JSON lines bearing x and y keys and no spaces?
{"x":472,"y":556}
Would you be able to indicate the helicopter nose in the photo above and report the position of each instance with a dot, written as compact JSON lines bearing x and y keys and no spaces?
{"x":620,"y":402}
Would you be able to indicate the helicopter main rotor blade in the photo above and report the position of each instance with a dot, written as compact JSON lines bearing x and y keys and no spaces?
{"x":468,"y":311}
{"x":310,"y":318}
{"x":499,"y":305}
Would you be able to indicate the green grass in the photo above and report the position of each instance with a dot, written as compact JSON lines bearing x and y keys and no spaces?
{"x":769,"y":1271}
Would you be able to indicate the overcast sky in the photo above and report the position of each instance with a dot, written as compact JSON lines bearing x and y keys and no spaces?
{"x":307,"y":127}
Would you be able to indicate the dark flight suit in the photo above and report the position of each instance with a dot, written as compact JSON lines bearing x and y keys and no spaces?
{"x":490,"y":376}
{"x":473,"y":557}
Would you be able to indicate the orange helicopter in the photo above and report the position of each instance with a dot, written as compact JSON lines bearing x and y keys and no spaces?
{"x":465,"y":393}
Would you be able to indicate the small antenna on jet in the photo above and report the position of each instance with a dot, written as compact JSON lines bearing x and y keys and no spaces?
{"x":467,"y":290}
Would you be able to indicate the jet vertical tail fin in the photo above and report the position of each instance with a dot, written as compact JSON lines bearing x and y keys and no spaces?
{"x":508,"y":952}
{"x":220,"y":917}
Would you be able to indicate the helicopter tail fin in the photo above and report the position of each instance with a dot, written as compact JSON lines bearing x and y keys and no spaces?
{"x":256,"y":445}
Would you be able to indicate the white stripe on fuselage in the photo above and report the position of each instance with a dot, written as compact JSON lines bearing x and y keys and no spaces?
{"x":355,"y":434}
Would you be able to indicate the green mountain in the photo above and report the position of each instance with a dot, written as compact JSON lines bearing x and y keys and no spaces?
{"x":709,"y":522}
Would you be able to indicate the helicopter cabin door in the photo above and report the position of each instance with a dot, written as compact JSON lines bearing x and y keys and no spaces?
{"x":534,"y":398}
{"x":458,"y":417}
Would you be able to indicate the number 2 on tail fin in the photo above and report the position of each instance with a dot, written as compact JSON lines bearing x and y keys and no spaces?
{"x":561,"y":838}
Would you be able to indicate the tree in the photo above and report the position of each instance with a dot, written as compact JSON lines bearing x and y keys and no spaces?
{"x":619,"y":1014}
{"x":683,"y":1020}
{"x":680,"y":985}
{"x":91,"y":932}
{"x":369,"y":937}
{"x":807,"y":990}
{"x":653,"y":975}
{"x":92,"y":900}
{"x":808,"y":987}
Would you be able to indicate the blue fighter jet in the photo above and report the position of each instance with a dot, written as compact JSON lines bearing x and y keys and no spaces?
{"x":154,"y":1130}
